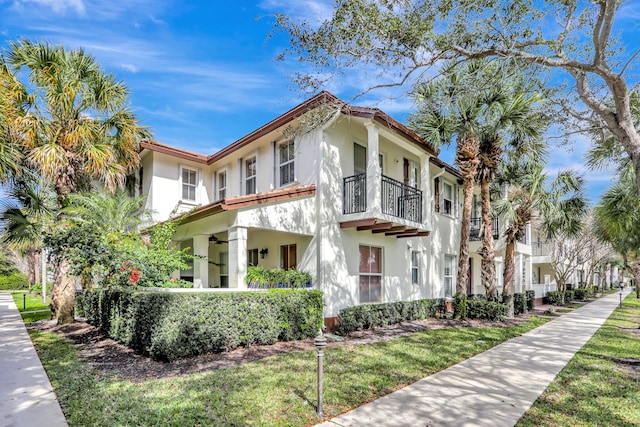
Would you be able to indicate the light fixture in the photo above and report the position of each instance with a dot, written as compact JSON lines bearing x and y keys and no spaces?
{"x":263,"y":252}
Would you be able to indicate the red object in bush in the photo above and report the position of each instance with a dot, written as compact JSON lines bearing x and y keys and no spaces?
{"x":134,"y":277}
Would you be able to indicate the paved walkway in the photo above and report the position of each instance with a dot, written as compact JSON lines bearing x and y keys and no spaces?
{"x":26,"y":396}
{"x":494,"y":388}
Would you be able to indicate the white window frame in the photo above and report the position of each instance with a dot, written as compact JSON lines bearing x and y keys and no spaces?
{"x":450,"y":275}
{"x":288,"y":264}
{"x":219,"y":188}
{"x":183,"y":184}
{"x":453,"y":200}
{"x":254,"y":177}
{"x":370,"y":274}
{"x":415,"y":267}
{"x":289,"y":162}
{"x":252,"y":257}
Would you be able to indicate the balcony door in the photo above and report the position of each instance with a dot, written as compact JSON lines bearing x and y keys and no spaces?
{"x":359,"y":159}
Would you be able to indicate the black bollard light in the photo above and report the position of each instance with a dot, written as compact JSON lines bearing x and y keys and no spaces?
{"x":24,"y":302}
{"x":320,"y":342}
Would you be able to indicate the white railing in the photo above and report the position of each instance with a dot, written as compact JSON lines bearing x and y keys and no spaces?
{"x":543,"y":288}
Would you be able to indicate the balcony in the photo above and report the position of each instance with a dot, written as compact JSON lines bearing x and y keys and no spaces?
{"x":476,"y":224}
{"x":541,"y":248}
{"x":397,"y":199}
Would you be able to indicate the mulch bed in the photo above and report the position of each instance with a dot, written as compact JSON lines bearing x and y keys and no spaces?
{"x":110,"y":358}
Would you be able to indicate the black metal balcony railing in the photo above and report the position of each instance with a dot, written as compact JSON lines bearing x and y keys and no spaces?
{"x":476,"y":224}
{"x":541,"y":248}
{"x":354,"y":190}
{"x":401,"y":200}
{"x":397,"y":199}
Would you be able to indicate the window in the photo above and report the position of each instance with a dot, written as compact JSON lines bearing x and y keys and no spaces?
{"x":359,"y":159}
{"x":288,"y":257}
{"x":287,"y":163}
{"x":449,"y":262}
{"x":370,"y":274}
{"x":250,"y":174}
{"x":224,"y":269}
{"x":189,"y":178}
{"x":448,"y":198}
{"x":222,"y":185}
{"x":415,"y":268}
{"x":252,"y":257}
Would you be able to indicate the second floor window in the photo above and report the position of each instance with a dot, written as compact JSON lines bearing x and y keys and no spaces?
{"x":447,"y":198}
{"x":189,"y":184}
{"x":250,"y":173}
{"x":222,"y":185}
{"x":287,"y":163}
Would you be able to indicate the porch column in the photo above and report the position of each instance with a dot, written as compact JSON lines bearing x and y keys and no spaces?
{"x":426,"y":188}
{"x":373,"y":169}
{"x":237,"y":256}
{"x":201,"y":261}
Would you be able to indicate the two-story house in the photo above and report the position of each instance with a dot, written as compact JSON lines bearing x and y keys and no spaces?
{"x":355,"y":198}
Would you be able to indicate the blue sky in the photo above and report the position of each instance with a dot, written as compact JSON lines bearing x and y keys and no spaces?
{"x":202,"y":73}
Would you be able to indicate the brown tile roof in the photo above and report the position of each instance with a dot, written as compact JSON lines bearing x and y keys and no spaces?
{"x":248,"y":200}
{"x":321,"y":98}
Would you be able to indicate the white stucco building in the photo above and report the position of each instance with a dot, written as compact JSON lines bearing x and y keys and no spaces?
{"x":359,"y":201}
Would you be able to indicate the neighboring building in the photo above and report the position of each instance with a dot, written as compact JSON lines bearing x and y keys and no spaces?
{"x":358,"y":200}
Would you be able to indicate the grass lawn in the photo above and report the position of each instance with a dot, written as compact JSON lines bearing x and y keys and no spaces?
{"x":33,"y":302}
{"x":601,"y":385}
{"x":277,"y":391}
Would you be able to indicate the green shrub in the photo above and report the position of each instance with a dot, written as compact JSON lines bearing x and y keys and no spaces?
{"x":481,"y":297}
{"x":369,"y":316}
{"x":554,"y":298}
{"x":260,"y":277}
{"x":569,"y":296}
{"x":441,"y":306}
{"x":596,"y":289}
{"x":478,"y":309}
{"x":168,"y":326}
{"x":531,"y":299}
{"x":460,"y":306}
{"x":519,"y":304}
{"x":14,"y":282}
{"x":582,"y":294}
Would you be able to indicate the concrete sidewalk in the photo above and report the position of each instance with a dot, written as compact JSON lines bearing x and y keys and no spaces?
{"x":26,"y":395}
{"x":494,"y":388}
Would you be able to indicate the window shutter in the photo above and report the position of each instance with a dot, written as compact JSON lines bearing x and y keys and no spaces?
{"x":436,"y":194}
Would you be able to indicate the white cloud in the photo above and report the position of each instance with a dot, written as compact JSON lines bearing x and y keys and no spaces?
{"x":312,"y":11}
{"x":129,"y":67}
{"x":58,"y":6}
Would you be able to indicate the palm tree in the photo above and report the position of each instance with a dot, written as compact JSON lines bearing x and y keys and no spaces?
{"x":518,"y":124}
{"x":74,"y":127}
{"x":27,"y":213}
{"x":618,"y":221}
{"x":560,"y":205}
{"x":448,"y":109}
{"x":499,"y":110}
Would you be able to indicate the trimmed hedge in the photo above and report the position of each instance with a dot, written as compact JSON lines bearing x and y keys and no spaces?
{"x":14,"y":282}
{"x":369,"y":316}
{"x":519,"y":304}
{"x":582,"y":294}
{"x":569,"y":296}
{"x":531,"y":299}
{"x":554,"y":298}
{"x":479,"y":309}
{"x":168,"y":326}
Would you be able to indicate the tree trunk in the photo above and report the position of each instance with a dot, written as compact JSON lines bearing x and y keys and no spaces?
{"x":463,"y":261}
{"x":63,"y":293}
{"x":487,"y":252}
{"x":509,"y":271}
